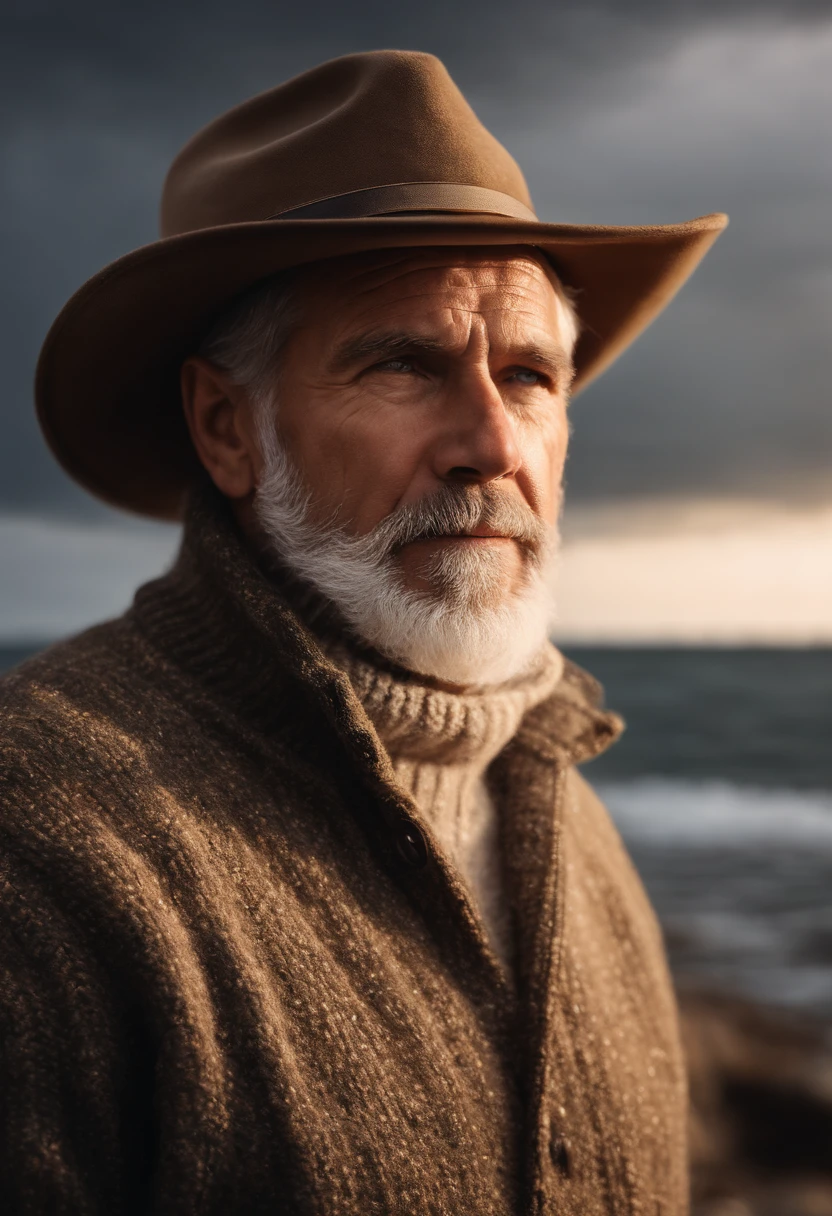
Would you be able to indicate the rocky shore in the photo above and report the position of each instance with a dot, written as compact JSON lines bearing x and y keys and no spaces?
{"x":761,"y":1109}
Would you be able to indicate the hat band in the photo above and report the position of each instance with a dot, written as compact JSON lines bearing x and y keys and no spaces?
{"x":409,"y":197}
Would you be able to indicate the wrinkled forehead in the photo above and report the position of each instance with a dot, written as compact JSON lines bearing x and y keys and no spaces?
{"x":390,"y":273}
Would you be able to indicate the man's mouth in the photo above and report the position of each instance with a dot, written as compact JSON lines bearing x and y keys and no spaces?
{"x":475,"y":534}
{"x":478,"y":535}
{"x":483,"y":532}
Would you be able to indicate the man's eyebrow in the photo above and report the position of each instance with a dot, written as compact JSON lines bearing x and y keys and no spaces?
{"x":382,"y":344}
{"x":389,"y":344}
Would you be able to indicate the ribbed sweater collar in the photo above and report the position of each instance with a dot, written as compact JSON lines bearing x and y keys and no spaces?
{"x":421,"y":722}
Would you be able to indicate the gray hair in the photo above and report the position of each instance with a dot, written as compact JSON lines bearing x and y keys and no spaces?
{"x":247,"y":339}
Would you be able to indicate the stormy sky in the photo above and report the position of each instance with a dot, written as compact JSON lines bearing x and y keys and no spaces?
{"x":648,"y":112}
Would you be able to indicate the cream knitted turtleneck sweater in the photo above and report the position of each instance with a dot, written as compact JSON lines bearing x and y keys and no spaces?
{"x":441,"y":744}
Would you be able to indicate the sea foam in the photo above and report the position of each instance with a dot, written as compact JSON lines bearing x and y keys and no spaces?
{"x":669,"y":811}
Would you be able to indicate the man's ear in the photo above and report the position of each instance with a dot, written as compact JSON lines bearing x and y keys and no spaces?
{"x":219,"y":418}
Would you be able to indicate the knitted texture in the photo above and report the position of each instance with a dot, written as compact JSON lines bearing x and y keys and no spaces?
{"x":240,"y":974}
{"x":441,"y":744}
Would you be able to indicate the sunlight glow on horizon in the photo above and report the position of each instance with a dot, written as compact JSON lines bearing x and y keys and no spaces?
{"x":719,"y":572}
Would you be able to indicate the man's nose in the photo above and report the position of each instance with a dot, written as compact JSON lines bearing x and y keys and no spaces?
{"x":478,"y":442}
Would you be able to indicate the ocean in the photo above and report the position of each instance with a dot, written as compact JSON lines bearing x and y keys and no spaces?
{"x":722,"y":789}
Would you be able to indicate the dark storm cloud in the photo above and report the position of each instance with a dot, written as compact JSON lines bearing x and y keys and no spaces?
{"x":618,"y":113}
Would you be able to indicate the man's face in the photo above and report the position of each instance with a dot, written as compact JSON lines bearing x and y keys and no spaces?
{"x":411,"y":370}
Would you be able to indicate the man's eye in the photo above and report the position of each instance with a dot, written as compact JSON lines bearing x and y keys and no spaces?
{"x":525,"y":375}
{"x":395,"y":365}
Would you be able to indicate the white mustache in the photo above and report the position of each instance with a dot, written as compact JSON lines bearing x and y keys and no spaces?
{"x":456,"y":511}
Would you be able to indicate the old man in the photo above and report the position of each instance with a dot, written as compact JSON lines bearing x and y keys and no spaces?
{"x":306,"y":907}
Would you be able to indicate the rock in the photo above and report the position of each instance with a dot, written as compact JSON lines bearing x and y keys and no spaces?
{"x":761,"y":1108}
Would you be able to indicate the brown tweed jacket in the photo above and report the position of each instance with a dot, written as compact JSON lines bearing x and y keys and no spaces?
{"x":239,"y":975}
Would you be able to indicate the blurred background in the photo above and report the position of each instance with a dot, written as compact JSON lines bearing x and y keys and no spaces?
{"x":697,"y":565}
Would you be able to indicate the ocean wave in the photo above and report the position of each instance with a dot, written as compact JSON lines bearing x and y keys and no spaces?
{"x":670,"y":811}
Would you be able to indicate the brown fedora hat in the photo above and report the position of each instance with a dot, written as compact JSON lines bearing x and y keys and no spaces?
{"x":369,"y":151}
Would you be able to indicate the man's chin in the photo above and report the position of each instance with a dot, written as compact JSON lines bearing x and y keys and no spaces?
{"x":485,"y":572}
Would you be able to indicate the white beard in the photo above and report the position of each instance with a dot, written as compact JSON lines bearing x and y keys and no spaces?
{"x":460,"y":632}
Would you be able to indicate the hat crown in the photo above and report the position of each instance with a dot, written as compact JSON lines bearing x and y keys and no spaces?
{"x":354,"y":123}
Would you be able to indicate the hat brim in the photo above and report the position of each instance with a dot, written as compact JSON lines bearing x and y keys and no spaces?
{"x":107,"y":382}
